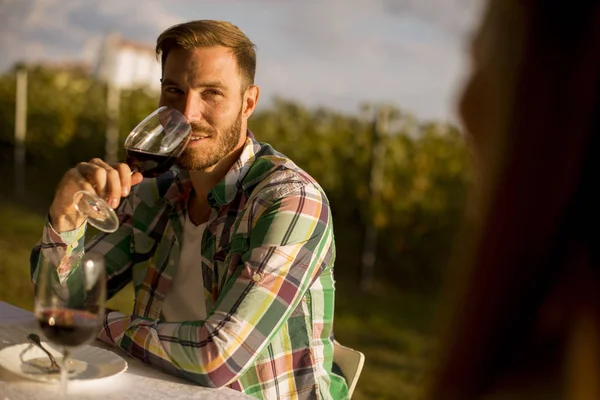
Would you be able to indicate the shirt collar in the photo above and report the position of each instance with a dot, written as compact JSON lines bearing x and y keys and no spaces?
{"x":227,"y":188}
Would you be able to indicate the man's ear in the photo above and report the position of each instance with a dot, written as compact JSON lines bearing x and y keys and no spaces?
{"x":250,"y":100}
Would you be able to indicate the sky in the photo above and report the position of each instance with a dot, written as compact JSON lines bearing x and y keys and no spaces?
{"x":332,"y":53}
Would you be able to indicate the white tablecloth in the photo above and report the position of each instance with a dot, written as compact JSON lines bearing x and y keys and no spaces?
{"x":139,"y":382}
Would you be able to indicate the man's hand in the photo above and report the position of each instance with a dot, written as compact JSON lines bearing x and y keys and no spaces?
{"x":111,"y":182}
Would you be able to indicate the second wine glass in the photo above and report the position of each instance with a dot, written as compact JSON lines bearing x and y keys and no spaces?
{"x":70,"y":303}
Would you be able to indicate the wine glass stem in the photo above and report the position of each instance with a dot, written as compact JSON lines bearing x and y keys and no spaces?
{"x":64,"y":371}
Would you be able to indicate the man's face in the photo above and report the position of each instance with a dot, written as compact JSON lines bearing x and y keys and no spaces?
{"x":206,"y":86}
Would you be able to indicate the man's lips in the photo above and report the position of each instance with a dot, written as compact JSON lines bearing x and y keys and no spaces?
{"x":196,"y":139}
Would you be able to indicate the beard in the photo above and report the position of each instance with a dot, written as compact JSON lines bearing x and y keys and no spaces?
{"x":204,"y":157}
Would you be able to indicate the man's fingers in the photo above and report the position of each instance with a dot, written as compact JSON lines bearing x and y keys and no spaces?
{"x":113,"y":190}
{"x":100,"y":162}
{"x":124,"y":173}
{"x":95,"y":175}
{"x":76,"y":181}
{"x":136,"y":178}
{"x":87,"y":186}
{"x":105,"y":180}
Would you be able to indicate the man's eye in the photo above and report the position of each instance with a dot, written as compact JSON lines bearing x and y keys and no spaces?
{"x":172,"y":89}
{"x":213,"y":92}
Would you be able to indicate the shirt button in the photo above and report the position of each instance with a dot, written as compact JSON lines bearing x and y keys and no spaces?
{"x":75,"y":244}
{"x":172,"y":262}
{"x":257,"y":277}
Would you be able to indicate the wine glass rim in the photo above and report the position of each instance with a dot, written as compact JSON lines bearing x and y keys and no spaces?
{"x":134,"y":131}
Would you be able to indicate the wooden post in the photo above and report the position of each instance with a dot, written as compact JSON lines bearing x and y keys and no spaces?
{"x":369,"y":255}
{"x":20,"y":131}
{"x":113,"y":104}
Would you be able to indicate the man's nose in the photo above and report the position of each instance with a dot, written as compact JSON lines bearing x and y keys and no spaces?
{"x":192,"y":107}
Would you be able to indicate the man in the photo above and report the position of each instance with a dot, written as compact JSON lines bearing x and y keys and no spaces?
{"x":231,"y":254}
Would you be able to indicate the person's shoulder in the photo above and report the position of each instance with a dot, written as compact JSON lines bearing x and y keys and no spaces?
{"x":274,"y":175}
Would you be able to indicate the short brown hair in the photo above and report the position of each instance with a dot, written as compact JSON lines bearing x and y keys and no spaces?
{"x":207,"y":33}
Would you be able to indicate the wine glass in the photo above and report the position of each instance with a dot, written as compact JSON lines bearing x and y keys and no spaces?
{"x":152,"y":148}
{"x":69,"y":304}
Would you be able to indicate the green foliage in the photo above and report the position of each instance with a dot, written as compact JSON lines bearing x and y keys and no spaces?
{"x":66,"y":118}
{"x":425,"y":173}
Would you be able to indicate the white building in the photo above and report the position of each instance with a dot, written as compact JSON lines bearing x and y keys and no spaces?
{"x":128,"y":65}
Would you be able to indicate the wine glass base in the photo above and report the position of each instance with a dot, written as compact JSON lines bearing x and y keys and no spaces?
{"x":97,"y":211}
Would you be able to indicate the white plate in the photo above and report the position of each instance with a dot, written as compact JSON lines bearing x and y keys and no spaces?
{"x":86,"y":362}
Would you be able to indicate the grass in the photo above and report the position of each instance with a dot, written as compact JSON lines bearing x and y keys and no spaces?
{"x":19,"y":232}
{"x":392,"y":328}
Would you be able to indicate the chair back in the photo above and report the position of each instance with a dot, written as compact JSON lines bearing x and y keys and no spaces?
{"x":350,"y":362}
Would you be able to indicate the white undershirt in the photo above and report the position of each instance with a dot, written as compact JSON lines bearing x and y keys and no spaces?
{"x":185,"y":300}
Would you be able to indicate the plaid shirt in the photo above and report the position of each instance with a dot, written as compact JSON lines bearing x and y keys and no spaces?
{"x":267,"y":260}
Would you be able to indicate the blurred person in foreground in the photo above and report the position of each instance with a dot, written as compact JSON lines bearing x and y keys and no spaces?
{"x":230,"y":253}
{"x":523,"y":316}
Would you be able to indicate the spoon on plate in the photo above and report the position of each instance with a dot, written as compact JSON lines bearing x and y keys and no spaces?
{"x":35,"y":340}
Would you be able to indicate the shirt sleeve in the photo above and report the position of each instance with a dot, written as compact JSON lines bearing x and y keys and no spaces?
{"x":64,"y":249}
{"x":290,"y":241}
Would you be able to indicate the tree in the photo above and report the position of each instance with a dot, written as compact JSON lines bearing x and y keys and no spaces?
{"x":426,"y":166}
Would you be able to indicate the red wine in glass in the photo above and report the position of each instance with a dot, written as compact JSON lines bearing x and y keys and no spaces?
{"x":155,"y":143}
{"x":68,"y":328}
{"x":69,"y":309}
{"x":148,"y":164}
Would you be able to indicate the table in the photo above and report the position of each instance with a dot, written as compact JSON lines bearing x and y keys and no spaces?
{"x":140,"y":381}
